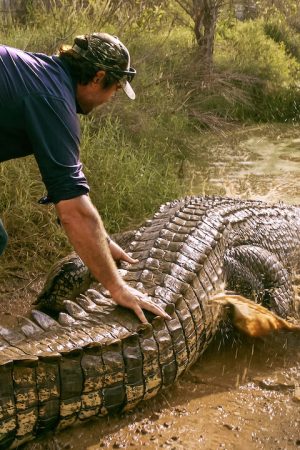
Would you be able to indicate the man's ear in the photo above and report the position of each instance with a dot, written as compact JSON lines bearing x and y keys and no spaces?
{"x":98,"y":78}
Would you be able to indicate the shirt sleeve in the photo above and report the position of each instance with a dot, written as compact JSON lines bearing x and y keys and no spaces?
{"x":53,"y":129}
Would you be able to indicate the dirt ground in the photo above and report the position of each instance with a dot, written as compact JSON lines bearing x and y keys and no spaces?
{"x":242,"y":394}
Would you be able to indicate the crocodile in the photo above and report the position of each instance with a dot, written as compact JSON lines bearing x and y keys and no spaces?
{"x":95,"y":357}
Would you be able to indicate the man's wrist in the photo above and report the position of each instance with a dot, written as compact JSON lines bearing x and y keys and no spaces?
{"x":117,"y":289}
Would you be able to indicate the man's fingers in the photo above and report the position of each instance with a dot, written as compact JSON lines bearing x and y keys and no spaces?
{"x":139,"y":312}
{"x":147,"y":304}
{"x":119,"y":254}
{"x":127,"y":258}
{"x":130,"y":297}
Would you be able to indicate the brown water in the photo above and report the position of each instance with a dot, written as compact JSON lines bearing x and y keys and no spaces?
{"x":262,"y":163}
{"x":242,"y":394}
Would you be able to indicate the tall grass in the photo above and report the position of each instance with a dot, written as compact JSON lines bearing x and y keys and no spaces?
{"x":128,"y":179}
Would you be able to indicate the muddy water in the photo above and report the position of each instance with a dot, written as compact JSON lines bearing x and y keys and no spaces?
{"x":262,"y":163}
{"x":242,"y":394}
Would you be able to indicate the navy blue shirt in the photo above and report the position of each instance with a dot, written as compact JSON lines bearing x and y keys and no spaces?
{"x":38,"y":115}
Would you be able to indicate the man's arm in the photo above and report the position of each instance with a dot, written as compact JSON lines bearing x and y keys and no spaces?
{"x":87,"y":235}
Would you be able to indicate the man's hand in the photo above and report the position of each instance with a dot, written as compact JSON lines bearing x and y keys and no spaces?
{"x":130,"y":298}
{"x":119,"y":254}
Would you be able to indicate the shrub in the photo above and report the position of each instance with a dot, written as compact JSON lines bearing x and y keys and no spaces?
{"x":269,"y":75}
{"x":277,"y":29}
{"x":247,"y":49}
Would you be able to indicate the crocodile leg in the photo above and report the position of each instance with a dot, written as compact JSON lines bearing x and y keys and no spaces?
{"x":256,"y":272}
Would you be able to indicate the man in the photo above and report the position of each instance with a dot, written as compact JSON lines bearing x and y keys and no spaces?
{"x":40,"y":97}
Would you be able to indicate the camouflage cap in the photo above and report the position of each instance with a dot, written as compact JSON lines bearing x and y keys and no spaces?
{"x":107,"y":52}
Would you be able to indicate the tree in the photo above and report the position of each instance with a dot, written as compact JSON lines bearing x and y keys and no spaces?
{"x":204,"y":14}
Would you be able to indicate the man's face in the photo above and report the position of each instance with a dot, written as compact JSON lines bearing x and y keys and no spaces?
{"x":93,"y":94}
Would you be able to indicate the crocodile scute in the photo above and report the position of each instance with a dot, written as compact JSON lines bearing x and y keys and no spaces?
{"x":97,"y":358}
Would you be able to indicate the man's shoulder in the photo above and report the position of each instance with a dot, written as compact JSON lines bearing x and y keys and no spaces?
{"x":23,"y":57}
{"x":36,"y":73}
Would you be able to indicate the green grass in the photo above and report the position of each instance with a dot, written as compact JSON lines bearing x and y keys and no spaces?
{"x":128,"y":179}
